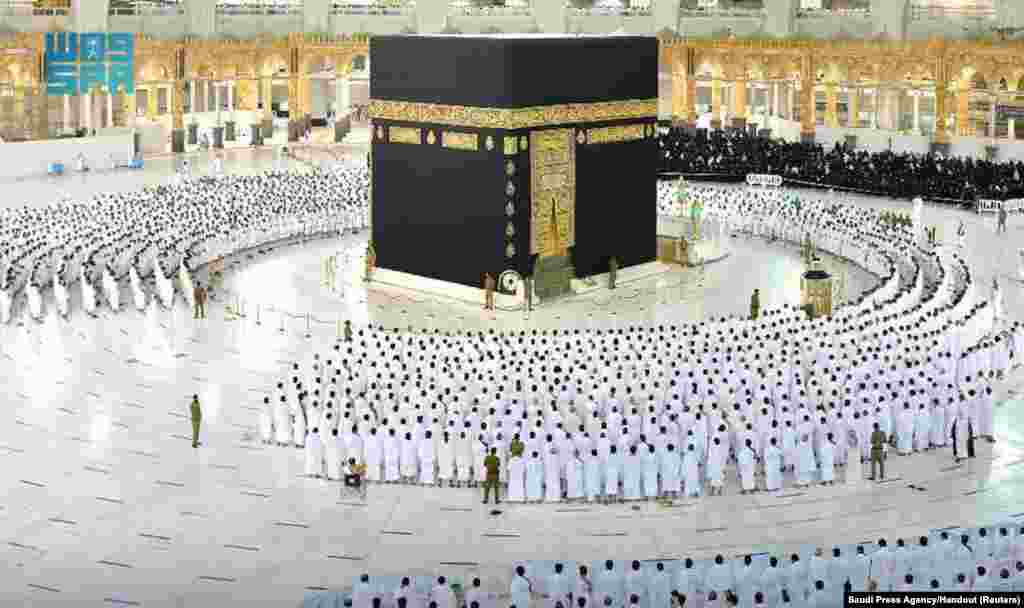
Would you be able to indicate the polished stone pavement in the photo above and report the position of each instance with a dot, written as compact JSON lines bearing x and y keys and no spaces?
{"x":104,"y":502}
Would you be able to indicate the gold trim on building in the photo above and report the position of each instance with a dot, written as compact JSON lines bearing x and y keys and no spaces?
{"x":460,"y":141}
{"x":520,"y":118}
{"x":552,"y":192}
{"x":619,"y":133}
{"x":404,"y":135}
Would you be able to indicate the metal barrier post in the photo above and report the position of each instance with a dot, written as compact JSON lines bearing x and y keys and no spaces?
{"x":308,"y":334}
{"x":282,"y":322}
{"x":258,"y":322}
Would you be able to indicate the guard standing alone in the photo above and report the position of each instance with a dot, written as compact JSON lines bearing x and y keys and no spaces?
{"x":197,"y":419}
{"x":491,"y":465}
{"x":755,"y":305}
{"x":878,"y":452}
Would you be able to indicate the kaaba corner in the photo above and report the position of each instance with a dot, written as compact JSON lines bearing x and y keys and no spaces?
{"x":526,"y":154}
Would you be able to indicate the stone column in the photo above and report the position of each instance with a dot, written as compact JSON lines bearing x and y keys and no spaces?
{"x":267,"y":129}
{"x":992,"y":117}
{"x":294,"y":108}
{"x":177,"y":103}
{"x":963,"y":112}
{"x":831,"y":106}
{"x":19,"y":106}
{"x":343,"y":95}
{"x":716,"y":104}
{"x":230,"y":86}
{"x":739,"y":99}
{"x":129,"y":109}
{"x":87,"y":111}
{"x":875,"y":108}
{"x":853,"y":120}
{"x":151,"y":93}
{"x":791,"y":101}
{"x":917,"y":112}
{"x":940,"y":137}
{"x":776,"y":111}
{"x":67,"y":112}
{"x":42,"y":125}
{"x":192,"y":97}
{"x":1011,"y":129}
{"x":808,"y":125}
{"x":110,"y":109}
{"x":218,"y":100}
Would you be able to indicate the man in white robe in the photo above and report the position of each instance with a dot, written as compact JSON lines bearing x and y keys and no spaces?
{"x":333,"y":448}
{"x":373,"y":454}
{"x":670,"y":469}
{"x":691,"y":472}
{"x":392,"y":457}
{"x":446,"y":461}
{"x":772,"y":466}
{"x":534,"y":479}
{"x":592,"y":476}
{"x":806,"y":467}
{"x":314,"y":454}
{"x":715,"y":469}
{"x":746,"y":466}
{"x":649,"y":462}
{"x":520,"y":588}
{"x":516,"y":479}
{"x":425,"y":453}
{"x":826,"y":460}
{"x":574,"y":477}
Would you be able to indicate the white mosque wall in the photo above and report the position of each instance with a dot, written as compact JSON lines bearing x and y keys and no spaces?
{"x":344,"y":25}
{"x":31,"y":158}
{"x":164,"y":26}
{"x":477,"y":24}
{"x":969,"y":146}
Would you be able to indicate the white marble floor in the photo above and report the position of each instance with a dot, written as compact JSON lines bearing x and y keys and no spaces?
{"x":104,"y":502}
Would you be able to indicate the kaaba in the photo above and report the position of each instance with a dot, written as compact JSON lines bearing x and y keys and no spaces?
{"x":527,"y":153}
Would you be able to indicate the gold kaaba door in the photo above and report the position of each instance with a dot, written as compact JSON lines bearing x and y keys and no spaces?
{"x":552,"y":192}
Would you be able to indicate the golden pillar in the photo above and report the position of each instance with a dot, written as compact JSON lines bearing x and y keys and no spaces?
{"x":831,"y":105}
{"x":248,"y":92}
{"x":151,"y":92}
{"x":716,"y":103}
{"x":42,"y":105}
{"x":941,"y":135}
{"x":293,"y":98}
{"x":808,"y":78}
{"x":963,"y":112}
{"x":853,"y":119}
{"x":268,"y":97}
{"x":19,"y":107}
{"x":177,"y":103}
{"x":739,"y":98}
{"x":691,"y":101}
{"x":679,"y":82}
{"x":128,"y":99}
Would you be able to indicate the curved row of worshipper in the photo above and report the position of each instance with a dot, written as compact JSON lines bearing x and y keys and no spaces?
{"x":900,"y":175}
{"x":989,"y":558}
{"x":916,"y":357}
{"x":147,"y":245}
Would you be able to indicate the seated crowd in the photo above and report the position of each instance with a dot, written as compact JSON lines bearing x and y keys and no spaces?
{"x":151,"y":242}
{"x":663,"y":411}
{"x":900,"y":175}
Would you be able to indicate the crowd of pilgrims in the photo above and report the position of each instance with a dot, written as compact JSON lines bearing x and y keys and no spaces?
{"x":648,"y":411}
{"x":148,"y":244}
{"x":900,"y":175}
{"x":986,"y":559}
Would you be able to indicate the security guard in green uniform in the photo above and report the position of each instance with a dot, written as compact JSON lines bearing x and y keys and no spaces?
{"x":878,"y":452}
{"x":516,"y":448}
{"x":755,"y":305}
{"x":491,"y":465}
{"x":197,"y":418}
